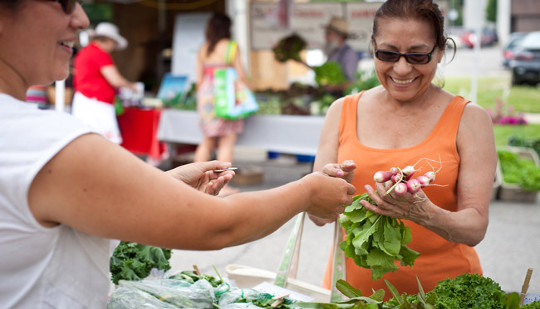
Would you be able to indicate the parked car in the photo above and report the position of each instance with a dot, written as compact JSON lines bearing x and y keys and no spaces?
{"x":525,"y":64}
{"x":467,"y":37}
{"x":509,"y":48}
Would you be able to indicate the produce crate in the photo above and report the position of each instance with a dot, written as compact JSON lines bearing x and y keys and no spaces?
{"x":513,"y":192}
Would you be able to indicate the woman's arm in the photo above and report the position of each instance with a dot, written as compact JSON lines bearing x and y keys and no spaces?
{"x":115,"y":79}
{"x":101,"y":189}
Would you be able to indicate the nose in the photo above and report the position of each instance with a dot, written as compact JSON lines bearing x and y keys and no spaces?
{"x":402,"y":66}
{"x":80,"y":19}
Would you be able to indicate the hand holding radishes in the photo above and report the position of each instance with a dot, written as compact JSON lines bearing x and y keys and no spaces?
{"x":398,"y":192}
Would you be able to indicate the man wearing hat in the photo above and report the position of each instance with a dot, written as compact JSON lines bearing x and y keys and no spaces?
{"x":336,"y":49}
{"x":96,"y":80}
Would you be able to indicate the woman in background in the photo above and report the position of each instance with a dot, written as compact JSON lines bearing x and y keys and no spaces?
{"x":217,"y":52}
{"x":96,"y":80}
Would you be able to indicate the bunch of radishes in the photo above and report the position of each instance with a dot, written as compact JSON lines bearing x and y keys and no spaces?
{"x":402,"y":181}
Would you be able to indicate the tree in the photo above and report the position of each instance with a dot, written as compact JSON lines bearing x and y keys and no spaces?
{"x":491,"y":11}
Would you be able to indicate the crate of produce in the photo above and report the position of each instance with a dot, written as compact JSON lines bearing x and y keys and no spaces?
{"x":530,"y":173}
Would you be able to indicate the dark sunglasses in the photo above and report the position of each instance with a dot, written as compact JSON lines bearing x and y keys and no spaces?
{"x":412,"y":58}
{"x":68,"y":5}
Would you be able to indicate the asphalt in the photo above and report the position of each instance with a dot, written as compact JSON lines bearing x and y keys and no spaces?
{"x":511,"y":245}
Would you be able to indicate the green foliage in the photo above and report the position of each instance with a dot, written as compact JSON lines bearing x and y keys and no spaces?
{"x":133,"y":261}
{"x":533,"y":305}
{"x":289,"y":48}
{"x":375,"y":241}
{"x":191,"y":277}
{"x":491,"y":10}
{"x":520,"y":171}
{"x":469,"y":291}
{"x":525,"y":142}
{"x":329,"y":73}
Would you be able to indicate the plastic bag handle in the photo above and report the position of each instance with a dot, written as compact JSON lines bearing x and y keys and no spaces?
{"x":289,"y":262}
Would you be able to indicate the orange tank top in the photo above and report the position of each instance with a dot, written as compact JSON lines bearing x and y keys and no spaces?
{"x":438,"y":258}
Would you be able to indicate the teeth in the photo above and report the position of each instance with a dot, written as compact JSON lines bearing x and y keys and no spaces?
{"x":68,"y":44}
{"x":402,"y":81}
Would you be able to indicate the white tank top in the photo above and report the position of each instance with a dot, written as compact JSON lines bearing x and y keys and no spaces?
{"x":40,"y":267}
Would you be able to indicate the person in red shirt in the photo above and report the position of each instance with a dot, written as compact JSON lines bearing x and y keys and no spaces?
{"x":96,"y":79}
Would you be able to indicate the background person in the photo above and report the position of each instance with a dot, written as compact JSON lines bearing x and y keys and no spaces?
{"x":337,"y":49}
{"x":407,"y":119}
{"x":96,"y":80}
{"x":65,"y":191}
{"x":217,"y":132}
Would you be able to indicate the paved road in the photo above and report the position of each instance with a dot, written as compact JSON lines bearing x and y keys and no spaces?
{"x":510,"y":247}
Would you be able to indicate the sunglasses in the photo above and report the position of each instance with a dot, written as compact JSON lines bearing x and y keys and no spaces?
{"x":412,"y":58}
{"x":68,"y":5}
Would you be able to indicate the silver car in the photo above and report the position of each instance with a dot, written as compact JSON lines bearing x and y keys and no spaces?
{"x":525,"y":64}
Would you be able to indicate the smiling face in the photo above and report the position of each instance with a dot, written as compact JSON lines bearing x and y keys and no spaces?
{"x":36,"y":44}
{"x":404,"y":81}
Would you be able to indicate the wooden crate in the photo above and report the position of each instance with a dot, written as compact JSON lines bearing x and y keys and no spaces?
{"x":513,"y":192}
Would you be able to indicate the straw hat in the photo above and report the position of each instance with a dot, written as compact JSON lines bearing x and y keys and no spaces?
{"x":340,"y":25}
{"x":110,"y":31}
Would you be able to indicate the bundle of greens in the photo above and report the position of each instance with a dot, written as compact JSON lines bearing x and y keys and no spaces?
{"x":375,"y":241}
{"x":289,"y":48}
{"x":133,"y":261}
{"x":330,"y":73}
{"x":519,"y":171}
{"x":470,"y":291}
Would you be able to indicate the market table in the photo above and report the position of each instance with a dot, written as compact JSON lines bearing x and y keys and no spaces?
{"x":139,"y":132}
{"x":279,"y":133}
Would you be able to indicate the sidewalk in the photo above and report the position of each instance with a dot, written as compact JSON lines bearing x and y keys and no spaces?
{"x":509,"y":248}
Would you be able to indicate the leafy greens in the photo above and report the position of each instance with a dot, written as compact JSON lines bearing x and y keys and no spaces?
{"x":375,"y":241}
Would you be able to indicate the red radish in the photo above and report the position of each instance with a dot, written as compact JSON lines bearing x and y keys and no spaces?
{"x":382,"y":176}
{"x":430,"y":176}
{"x":400,"y":188}
{"x":409,"y":176}
{"x":394,"y":170}
{"x":424,"y":180}
{"x":409,"y":169}
{"x":413,"y":185}
{"x":396,"y":178}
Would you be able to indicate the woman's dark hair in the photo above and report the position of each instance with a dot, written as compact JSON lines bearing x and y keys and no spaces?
{"x":218,"y":27}
{"x":11,"y":5}
{"x":424,"y":10}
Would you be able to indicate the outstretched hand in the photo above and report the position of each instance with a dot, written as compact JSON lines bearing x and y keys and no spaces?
{"x":201,"y":175}
{"x":345,"y":171}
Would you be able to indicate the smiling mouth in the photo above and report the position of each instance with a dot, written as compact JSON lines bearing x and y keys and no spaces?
{"x":69,"y":44}
{"x":401,"y":81}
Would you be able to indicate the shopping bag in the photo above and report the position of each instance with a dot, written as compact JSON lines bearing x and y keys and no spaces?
{"x":232,"y":98}
{"x":285,"y":277}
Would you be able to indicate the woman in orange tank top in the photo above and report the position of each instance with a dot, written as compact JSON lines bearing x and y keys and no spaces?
{"x":401,"y":122}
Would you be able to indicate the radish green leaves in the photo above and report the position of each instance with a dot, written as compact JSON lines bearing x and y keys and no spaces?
{"x":375,"y":241}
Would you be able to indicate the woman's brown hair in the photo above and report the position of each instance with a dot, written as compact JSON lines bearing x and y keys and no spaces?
{"x":218,"y":27}
{"x":424,"y":10}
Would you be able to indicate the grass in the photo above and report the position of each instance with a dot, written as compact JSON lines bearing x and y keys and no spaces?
{"x":503,"y":133}
{"x":522,"y":98}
